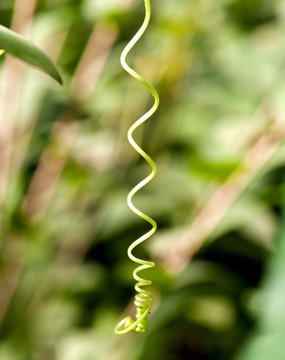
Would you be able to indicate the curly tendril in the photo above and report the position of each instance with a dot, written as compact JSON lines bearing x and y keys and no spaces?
{"x":143,"y":299}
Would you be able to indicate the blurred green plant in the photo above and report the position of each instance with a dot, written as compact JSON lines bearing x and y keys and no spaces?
{"x":66,"y":169}
{"x":267,"y":305}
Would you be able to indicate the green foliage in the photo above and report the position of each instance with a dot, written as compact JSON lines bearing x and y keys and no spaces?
{"x":65,"y":279}
{"x":268,"y":306}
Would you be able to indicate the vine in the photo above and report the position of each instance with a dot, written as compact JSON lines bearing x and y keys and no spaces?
{"x":143,"y":299}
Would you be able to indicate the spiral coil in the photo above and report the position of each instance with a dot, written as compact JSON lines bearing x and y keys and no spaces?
{"x":143,"y":299}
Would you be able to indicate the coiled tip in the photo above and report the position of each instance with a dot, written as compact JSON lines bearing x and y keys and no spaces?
{"x":124,"y":326}
{"x":143,"y":304}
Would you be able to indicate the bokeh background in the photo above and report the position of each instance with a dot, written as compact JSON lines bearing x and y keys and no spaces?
{"x":66,"y":169}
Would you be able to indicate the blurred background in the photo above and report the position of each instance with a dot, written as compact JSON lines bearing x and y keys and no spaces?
{"x":66,"y":169}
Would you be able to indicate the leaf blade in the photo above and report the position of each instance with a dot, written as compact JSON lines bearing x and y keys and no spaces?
{"x":26,"y":51}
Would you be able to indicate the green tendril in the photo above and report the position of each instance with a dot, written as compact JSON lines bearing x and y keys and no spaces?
{"x":143,"y":299}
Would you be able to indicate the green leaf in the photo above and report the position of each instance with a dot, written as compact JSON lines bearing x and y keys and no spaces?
{"x":26,"y":51}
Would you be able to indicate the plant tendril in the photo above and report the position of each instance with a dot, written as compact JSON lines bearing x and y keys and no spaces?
{"x":143,"y":299}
